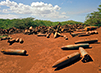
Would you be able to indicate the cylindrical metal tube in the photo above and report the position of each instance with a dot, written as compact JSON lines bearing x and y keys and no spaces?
{"x":67,"y":59}
{"x":21,"y":40}
{"x":84,"y":54}
{"x":17,"y":40}
{"x":3,"y":38}
{"x":93,"y":32}
{"x":87,"y":41}
{"x":11,"y":41}
{"x":40,"y":34}
{"x":65,"y":37}
{"x":14,"y":51}
{"x":80,"y":35}
{"x":75,"y":46}
{"x":48,"y":35}
{"x":56,"y":34}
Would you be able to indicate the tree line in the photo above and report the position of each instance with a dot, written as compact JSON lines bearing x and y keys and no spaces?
{"x":93,"y":18}
{"x":27,"y":22}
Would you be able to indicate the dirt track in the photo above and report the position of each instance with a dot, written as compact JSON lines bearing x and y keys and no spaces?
{"x":44,"y":52}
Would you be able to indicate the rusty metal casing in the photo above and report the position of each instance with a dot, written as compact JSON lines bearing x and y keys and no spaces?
{"x":75,"y":46}
{"x":67,"y":59}
{"x":84,"y":54}
{"x":21,"y":40}
{"x":40,"y":34}
{"x":14,"y":51}
{"x":87,"y":41}
{"x":17,"y":40}
{"x":56,"y":34}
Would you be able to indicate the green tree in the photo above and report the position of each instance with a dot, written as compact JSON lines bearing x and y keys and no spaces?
{"x":94,"y":18}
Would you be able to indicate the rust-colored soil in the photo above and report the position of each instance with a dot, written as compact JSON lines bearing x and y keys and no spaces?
{"x":44,"y":52}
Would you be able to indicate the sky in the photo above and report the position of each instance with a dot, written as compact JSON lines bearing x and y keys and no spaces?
{"x":53,"y":10}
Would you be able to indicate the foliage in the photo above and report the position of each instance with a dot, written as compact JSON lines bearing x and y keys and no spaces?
{"x":27,"y":22}
{"x":71,"y":22}
{"x":94,"y":18}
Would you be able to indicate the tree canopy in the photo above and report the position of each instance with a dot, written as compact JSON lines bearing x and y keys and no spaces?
{"x":94,"y":18}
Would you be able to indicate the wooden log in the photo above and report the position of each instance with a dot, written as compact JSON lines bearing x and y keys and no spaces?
{"x":67,"y":59}
{"x":85,"y":55}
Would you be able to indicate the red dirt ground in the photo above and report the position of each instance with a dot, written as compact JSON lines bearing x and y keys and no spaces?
{"x":44,"y":52}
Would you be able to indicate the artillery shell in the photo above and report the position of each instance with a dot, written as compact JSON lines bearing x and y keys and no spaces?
{"x":65,"y":37}
{"x":17,"y":40}
{"x":87,"y":41}
{"x":56,"y":34}
{"x":3,"y":38}
{"x":11,"y":41}
{"x":75,"y":46}
{"x":21,"y":40}
{"x":80,"y":35}
{"x":9,"y":37}
{"x":77,"y":33}
{"x":93,"y":32}
{"x":84,"y":54}
{"x":40,"y":34}
{"x":90,"y":28}
{"x":67,"y":59}
{"x":48,"y":35}
{"x":60,"y":34}
{"x":30,"y":28}
{"x":14,"y":52}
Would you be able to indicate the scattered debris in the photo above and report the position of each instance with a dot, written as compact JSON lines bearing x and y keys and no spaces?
{"x":10,"y":31}
{"x":11,"y":41}
{"x":56,"y":30}
{"x":5,"y":38}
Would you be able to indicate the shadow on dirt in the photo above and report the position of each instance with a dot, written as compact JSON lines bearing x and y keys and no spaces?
{"x":16,"y":54}
{"x":66,"y":65}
